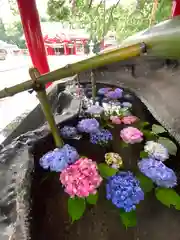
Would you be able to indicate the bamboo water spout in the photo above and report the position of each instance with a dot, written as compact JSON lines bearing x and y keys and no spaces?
{"x":75,"y":68}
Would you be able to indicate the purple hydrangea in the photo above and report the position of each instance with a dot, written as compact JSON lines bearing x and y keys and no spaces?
{"x":127,"y":104}
{"x":88,"y":125}
{"x":59,"y":159}
{"x":101,"y":136}
{"x":68,"y":132}
{"x":117,"y":93}
{"x":158,"y":172}
{"x":95,"y":110}
{"x":103,"y":91}
{"x":124,"y":190}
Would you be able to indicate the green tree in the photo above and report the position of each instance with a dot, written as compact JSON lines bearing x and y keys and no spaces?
{"x":84,"y":14}
{"x":3,"y":35}
{"x":58,"y":10}
{"x":14,"y":33}
{"x":13,"y":7}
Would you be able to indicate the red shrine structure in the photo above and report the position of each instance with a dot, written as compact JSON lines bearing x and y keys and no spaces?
{"x":34,"y":38}
{"x":66,"y":42}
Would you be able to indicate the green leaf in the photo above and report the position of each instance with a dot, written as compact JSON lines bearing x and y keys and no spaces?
{"x":168,"y":197}
{"x":106,"y":171}
{"x":110,"y":125}
{"x":76,"y":208}
{"x":128,"y":218}
{"x":158,"y":129}
{"x":171,"y":147}
{"x":92,"y":198}
{"x":145,"y":183}
{"x":149,"y":135}
{"x":143,"y":154}
{"x":142,"y":125}
{"x":124,"y":145}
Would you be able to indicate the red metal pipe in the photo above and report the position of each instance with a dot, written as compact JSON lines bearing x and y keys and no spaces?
{"x":32,"y":31}
{"x":175,"y":8}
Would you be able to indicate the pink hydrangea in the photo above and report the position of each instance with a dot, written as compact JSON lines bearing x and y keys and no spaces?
{"x":131,"y":135}
{"x":81,"y":178}
{"x":115,"y":120}
{"x":129,"y":119}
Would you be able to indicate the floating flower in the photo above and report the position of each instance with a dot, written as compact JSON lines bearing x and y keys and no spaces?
{"x":127,"y":104}
{"x":102,"y":136}
{"x":68,"y":132}
{"x":59,"y":159}
{"x":95,"y":110}
{"x":158,"y":172}
{"x":88,"y":125}
{"x":103,"y":91}
{"x":117,"y":93}
{"x":124,"y":190}
{"x":131,"y":135}
{"x":115,"y":120}
{"x":129,"y":119}
{"x":81,"y":178}
{"x":156,"y":150}
{"x":113,"y":159}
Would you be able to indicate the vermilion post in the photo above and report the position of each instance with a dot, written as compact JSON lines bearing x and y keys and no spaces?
{"x":33,"y":34}
{"x":175,"y":8}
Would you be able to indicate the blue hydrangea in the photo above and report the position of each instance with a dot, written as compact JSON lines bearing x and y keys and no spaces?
{"x":117,"y":93}
{"x":103,"y":91}
{"x":68,"y":132}
{"x":59,"y":159}
{"x":124,"y":190}
{"x":88,"y":125}
{"x":101,"y":136}
{"x":127,"y":104}
{"x":158,"y":172}
{"x":95,"y":110}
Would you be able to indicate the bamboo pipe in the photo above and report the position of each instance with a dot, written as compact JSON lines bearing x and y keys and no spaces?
{"x":46,"y":108}
{"x":75,"y":68}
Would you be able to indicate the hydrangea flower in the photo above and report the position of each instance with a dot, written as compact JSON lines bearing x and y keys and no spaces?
{"x":68,"y":132}
{"x":59,"y":159}
{"x":127,"y":104}
{"x":103,"y":91}
{"x":124,"y":190}
{"x":95,"y":110}
{"x":115,"y":120}
{"x":81,"y":178}
{"x":158,"y":172}
{"x":113,"y":159}
{"x":129,"y":119}
{"x":117,"y":93}
{"x":131,"y":135}
{"x":102,"y":136}
{"x":88,"y":125}
{"x":156,"y":150}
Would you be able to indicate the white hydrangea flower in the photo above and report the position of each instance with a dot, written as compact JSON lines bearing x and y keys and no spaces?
{"x":156,"y":150}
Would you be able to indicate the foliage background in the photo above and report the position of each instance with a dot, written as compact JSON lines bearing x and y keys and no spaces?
{"x":97,"y":17}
